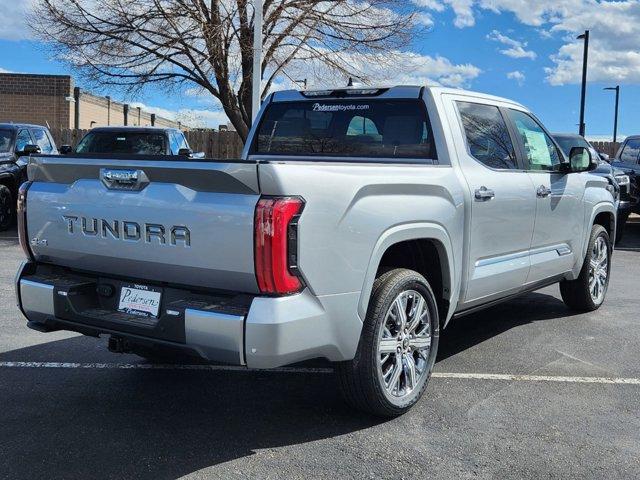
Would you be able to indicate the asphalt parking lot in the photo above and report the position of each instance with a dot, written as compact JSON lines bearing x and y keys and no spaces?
{"x":523,"y":390}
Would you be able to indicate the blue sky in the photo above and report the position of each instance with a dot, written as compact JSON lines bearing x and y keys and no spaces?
{"x":513,"y":48}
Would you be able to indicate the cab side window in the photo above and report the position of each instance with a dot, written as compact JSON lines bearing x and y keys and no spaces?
{"x":23,"y":139}
{"x":541,"y":152}
{"x":177,"y":142}
{"x":487,"y":135}
{"x":42,"y":140}
{"x":630,"y":151}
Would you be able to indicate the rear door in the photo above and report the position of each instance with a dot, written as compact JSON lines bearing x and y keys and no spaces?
{"x":559,"y":227}
{"x":502,"y":203}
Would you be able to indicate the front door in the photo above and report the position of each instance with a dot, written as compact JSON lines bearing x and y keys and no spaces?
{"x":503,"y":204}
{"x":559,"y":229}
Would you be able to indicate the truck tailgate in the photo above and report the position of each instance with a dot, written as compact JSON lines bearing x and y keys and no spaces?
{"x":181,"y":222}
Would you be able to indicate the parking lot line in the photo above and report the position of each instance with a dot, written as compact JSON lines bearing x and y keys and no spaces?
{"x":450,"y":375}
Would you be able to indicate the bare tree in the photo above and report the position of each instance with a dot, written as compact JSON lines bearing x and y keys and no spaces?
{"x":209,"y":43}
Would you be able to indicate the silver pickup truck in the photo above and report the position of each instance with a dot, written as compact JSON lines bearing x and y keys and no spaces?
{"x":356,"y":225}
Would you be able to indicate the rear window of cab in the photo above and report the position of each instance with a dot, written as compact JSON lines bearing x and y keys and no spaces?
{"x":346,"y":128}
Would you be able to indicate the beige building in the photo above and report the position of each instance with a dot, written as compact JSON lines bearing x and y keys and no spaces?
{"x":55,"y":101}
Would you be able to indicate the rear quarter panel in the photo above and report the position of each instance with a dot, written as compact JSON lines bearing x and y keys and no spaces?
{"x":354,"y":212}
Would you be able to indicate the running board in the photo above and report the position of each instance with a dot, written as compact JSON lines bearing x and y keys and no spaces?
{"x":531,"y":288}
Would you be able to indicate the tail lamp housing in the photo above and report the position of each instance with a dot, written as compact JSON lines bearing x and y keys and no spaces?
{"x":21,"y":212}
{"x":276,"y":245}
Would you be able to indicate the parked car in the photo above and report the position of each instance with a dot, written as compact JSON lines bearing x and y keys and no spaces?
{"x":356,"y":225}
{"x":18,"y":141}
{"x":617,"y":178}
{"x":133,"y":141}
{"x":626,"y":159}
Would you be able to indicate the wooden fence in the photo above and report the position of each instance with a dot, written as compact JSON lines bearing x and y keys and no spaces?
{"x":609,"y":148}
{"x":214,"y":144}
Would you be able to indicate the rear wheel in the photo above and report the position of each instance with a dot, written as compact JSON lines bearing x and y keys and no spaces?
{"x":397,"y":348}
{"x":587,"y":292}
{"x":7,"y":208}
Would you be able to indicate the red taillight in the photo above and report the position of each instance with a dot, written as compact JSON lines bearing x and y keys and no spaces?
{"x":22,"y":219}
{"x":276,"y":244}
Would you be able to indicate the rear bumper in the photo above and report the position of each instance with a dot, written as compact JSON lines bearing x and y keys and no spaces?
{"x":260,"y":332}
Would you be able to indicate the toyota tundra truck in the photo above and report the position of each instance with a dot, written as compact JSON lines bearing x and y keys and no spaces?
{"x":357,"y":224}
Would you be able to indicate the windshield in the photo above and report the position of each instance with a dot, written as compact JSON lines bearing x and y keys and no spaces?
{"x":6,"y":136}
{"x":347,"y":128}
{"x":567,"y":142}
{"x":131,"y":143}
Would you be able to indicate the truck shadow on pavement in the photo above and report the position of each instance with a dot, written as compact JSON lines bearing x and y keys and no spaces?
{"x":154,"y":424}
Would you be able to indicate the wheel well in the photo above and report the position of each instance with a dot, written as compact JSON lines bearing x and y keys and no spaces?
{"x":10,"y":183}
{"x":607,"y":220}
{"x":428,"y":258}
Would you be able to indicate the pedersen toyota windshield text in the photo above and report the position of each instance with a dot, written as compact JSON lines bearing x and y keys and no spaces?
{"x":357,"y":224}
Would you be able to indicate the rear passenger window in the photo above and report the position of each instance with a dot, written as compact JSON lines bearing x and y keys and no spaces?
{"x":487,"y":135}
{"x":630,"y":151}
{"x":42,"y":140}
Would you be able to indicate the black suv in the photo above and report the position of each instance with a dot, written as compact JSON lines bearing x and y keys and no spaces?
{"x":628,"y":160}
{"x":17,"y":141}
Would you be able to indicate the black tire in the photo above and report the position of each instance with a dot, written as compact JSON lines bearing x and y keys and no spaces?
{"x":361,"y":379}
{"x":7,"y":208}
{"x":576,"y":293}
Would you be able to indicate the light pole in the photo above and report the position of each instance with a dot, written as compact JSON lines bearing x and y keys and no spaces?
{"x":256,"y":77}
{"x":615,"y":119}
{"x":583,"y":94}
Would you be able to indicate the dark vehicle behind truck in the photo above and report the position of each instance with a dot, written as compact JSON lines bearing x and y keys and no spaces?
{"x":133,"y":141}
{"x":17,"y":142}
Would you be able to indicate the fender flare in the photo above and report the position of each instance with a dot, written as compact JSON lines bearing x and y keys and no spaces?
{"x":601,"y":207}
{"x":412,"y":231}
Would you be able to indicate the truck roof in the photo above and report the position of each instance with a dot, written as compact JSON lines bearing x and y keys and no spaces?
{"x":15,"y":126}
{"x":396,"y":91}
{"x":132,"y":129}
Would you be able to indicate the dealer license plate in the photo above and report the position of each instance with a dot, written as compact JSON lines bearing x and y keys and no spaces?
{"x":140,"y":300}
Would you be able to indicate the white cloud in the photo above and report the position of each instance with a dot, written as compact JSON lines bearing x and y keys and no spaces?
{"x":416,"y":69}
{"x":614,"y":53}
{"x":518,"y":76}
{"x":15,"y":19}
{"x":191,"y":117}
{"x":516,"y":49}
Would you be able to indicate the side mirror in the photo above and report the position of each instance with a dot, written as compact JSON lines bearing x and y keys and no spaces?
{"x":66,"y":149}
{"x":197,"y":155}
{"x":29,"y":149}
{"x":580,"y":160}
{"x":605,"y":157}
{"x":185,"y":152}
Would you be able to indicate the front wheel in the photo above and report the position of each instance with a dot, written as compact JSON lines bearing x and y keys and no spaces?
{"x":587,"y":292}
{"x":397,"y":348}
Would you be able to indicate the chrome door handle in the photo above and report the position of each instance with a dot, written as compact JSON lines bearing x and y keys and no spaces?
{"x":543,"y":191}
{"x":483,"y":194}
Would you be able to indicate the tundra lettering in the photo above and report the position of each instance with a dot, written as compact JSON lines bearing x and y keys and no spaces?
{"x":358,"y":223}
{"x":128,"y":230}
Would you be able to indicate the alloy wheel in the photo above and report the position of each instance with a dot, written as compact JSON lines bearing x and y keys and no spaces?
{"x":404,"y":344}
{"x":599,"y":270}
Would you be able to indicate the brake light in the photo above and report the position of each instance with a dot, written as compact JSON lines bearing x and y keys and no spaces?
{"x":276,"y":244}
{"x":21,"y":212}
